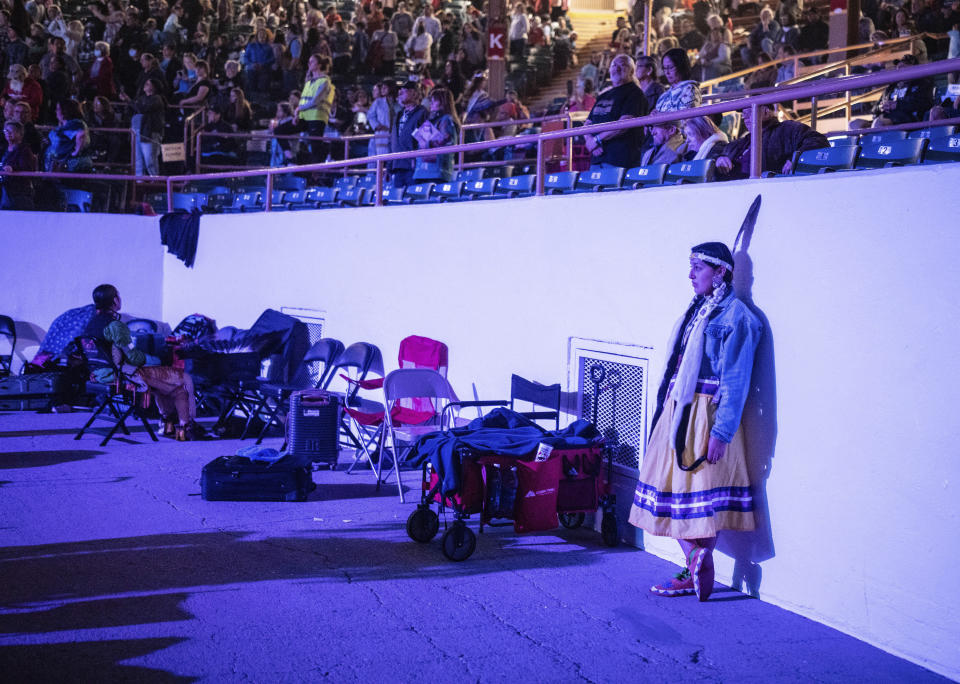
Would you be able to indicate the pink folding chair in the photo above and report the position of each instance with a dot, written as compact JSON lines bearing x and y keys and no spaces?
{"x":368,"y":420}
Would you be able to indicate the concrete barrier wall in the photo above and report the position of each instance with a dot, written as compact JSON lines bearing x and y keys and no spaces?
{"x":52,"y":262}
{"x":853,"y":441}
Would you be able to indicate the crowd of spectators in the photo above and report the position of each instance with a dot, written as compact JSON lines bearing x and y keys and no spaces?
{"x":147,"y":64}
{"x":305,"y":69}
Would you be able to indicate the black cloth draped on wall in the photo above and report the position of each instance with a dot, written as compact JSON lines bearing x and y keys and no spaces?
{"x":179,"y":231}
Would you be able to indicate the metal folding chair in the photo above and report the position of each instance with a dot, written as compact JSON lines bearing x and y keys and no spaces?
{"x":118,"y":400}
{"x":404,"y":425}
{"x":539,"y":396}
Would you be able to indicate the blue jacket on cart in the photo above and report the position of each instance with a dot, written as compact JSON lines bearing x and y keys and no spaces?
{"x":501,"y":432}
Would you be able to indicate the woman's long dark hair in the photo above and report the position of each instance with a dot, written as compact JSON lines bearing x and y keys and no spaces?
{"x":678,"y":57}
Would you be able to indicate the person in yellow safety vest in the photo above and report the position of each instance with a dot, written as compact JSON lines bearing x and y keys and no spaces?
{"x":316,"y":99}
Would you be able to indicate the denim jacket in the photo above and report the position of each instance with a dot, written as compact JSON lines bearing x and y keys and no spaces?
{"x":730,"y":341}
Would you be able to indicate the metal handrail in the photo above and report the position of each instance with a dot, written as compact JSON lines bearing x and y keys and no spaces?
{"x":129,"y":131}
{"x":912,"y":126}
{"x":756,"y":101}
{"x":565,"y":117}
{"x":711,"y":82}
{"x":267,"y":135}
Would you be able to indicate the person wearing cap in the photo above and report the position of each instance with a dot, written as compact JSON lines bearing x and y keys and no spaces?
{"x":410,"y":117}
{"x":693,"y":479}
{"x":904,"y":101}
{"x":780,"y":140}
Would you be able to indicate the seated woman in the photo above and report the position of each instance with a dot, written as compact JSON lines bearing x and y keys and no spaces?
{"x":701,"y":135}
{"x":69,"y":141}
{"x":172,"y":387}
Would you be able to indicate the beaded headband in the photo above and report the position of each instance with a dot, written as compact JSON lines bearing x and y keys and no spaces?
{"x":711,"y":260}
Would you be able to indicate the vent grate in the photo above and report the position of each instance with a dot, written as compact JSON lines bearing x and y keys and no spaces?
{"x":620,"y":410}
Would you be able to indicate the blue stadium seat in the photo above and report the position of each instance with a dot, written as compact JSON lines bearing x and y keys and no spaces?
{"x":892,"y":153}
{"x":317,"y":198}
{"x":447,"y":192}
{"x":392,"y":195}
{"x":245,"y":202}
{"x":368,"y":180}
{"x":288,"y":181}
{"x":78,"y":200}
{"x":345,"y":182}
{"x":517,"y":186}
{"x":418,"y":193}
{"x":481,"y":189}
{"x":599,"y":179}
{"x":560,"y":182}
{"x":884,"y":137}
{"x":933,"y":132}
{"x":471,"y":174}
{"x":188,"y":201}
{"x":943,"y":150}
{"x":352,"y":197}
{"x":826,"y":160}
{"x":700,"y":171}
{"x":276,"y":199}
{"x":843,"y":141}
{"x":644,"y":176}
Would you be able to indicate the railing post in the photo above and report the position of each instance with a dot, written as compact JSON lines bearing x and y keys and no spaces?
{"x":134,"y":143}
{"x":379,"y":186}
{"x":196,"y":151}
{"x":462,"y":137}
{"x":569,"y":141}
{"x":756,"y":142}
{"x":813,"y":112}
{"x":268,"y":200}
{"x":848,"y":109}
{"x":540,"y":166}
{"x":169,"y":194}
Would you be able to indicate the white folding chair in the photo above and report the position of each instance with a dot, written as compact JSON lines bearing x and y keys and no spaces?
{"x":402,"y":426}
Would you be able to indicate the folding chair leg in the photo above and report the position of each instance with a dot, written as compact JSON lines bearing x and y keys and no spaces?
{"x":119,"y":425}
{"x":396,"y":463}
{"x":93,"y":417}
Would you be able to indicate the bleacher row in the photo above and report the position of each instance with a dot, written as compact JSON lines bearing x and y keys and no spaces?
{"x":935,"y":145}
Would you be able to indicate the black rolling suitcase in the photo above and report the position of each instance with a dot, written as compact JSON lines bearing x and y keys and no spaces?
{"x":313,"y":425}
{"x":237,"y":478}
{"x":36,"y":391}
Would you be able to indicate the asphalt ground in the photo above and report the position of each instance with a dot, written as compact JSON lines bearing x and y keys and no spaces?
{"x":113,"y":568}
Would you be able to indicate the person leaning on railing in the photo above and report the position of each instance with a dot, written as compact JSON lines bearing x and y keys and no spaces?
{"x":441,"y":128}
{"x":780,"y":140}
{"x":624,"y":100}
{"x":69,"y":141}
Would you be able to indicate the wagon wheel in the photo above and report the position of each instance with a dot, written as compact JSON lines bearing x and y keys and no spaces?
{"x":423,"y":525}
{"x":609,"y":530}
{"x":571,"y":520}
{"x":459,"y":542}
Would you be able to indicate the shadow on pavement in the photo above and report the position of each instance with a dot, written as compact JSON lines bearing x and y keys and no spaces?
{"x":37,"y":459}
{"x":93,"y":661}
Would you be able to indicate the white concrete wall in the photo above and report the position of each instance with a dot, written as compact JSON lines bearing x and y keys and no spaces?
{"x":52,"y":262}
{"x":853,"y":439}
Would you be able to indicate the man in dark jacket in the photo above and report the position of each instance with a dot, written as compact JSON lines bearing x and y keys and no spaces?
{"x":780,"y":140}
{"x":411,"y":116}
{"x":17,"y":192}
{"x":904,"y":101}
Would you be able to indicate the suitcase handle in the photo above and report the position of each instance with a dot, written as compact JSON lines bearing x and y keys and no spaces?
{"x":315,"y":399}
